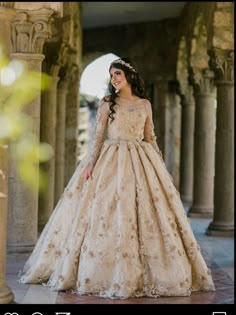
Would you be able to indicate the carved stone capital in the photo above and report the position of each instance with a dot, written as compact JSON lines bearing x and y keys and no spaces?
{"x":63,"y":53}
{"x":72,"y":66}
{"x":7,"y":13}
{"x":7,"y":4}
{"x":222,"y":63}
{"x":202,"y":81}
{"x":69,"y":74}
{"x":63,"y":85}
{"x":73,"y":73}
{"x":177,"y":88}
{"x":30,"y":30}
{"x":174,"y":86}
{"x":185,"y":97}
{"x":59,"y":59}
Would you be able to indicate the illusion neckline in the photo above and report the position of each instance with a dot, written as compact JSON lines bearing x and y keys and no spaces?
{"x":128,"y":100}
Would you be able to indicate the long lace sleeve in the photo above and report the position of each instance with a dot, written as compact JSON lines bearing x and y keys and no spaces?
{"x":101,"y":123}
{"x":149,"y":133}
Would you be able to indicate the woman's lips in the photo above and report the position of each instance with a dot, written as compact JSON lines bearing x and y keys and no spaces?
{"x":116,"y":83}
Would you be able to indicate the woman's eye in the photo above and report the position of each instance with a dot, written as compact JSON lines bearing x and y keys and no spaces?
{"x":116,"y":73}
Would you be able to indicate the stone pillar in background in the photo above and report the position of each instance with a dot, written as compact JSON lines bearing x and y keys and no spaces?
{"x":161,"y":116}
{"x":7,"y":13}
{"x":166,"y":118}
{"x":29,"y":31}
{"x":187,"y":147}
{"x":204,"y":144}
{"x":222,"y":62}
{"x":72,"y":109}
{"x":48,"y":130}
{"x":153,"y":95}
{"x":6,"y":295}
{"x":60,"y":139}
{"x":48,"y":135}
{"x":174,"y":132}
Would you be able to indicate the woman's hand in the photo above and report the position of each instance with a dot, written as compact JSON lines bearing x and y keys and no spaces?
{"x":88,"y":171}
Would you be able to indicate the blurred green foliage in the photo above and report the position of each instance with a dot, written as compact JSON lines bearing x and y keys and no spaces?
{"x":19,"y":86}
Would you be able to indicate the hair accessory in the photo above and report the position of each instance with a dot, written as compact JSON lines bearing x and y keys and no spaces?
{"x":126,"y":64}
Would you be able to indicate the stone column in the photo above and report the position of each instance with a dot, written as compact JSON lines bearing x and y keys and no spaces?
{"x":48,"y":135}
{"x":29,"y":31}
{"x":187,"y":147}
{"x":174,"y":131}
{"x":165,"y":121}
{"x":204,"y":144}
{"x":153,"y":95}
{"x":162,"y":117}
{"x":156,"y":111}
{"x":6,"y":295}
{"x":7,"y":13}
{"x":60,"y":139}
{"x":48,"y":127}
{"x":223,"y":221}
{"x":72,"y":112}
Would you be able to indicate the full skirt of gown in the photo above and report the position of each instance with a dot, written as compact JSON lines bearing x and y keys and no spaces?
{"x":122,"y":234}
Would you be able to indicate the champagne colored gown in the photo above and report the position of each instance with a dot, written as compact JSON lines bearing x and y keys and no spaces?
{"x":125,"y":232}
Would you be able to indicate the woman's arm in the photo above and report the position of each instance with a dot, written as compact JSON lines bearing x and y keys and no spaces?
{"x":149,"y":133}
{"x":101,"y":123}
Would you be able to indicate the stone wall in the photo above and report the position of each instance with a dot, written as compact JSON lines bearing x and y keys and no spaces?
{"x":154,"y":45}
{"x":218,"y":18}
{"x":147,"y":43}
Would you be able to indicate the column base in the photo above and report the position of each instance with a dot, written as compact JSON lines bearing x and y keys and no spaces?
{"x":41,"y":226}
{"x":200,"y":212}
{"x":220,"y":229}
{"x":187,"y":200}
{"x":6,"y":296}
{"x":20,"y":249}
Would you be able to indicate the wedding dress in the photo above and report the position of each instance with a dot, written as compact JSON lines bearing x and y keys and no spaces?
{"x":123,"y":233}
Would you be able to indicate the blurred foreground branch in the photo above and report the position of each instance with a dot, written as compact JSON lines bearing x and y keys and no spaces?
{"x":18,"y":88}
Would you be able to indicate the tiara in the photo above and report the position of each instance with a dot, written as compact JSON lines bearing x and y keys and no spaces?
{"x":126,"y":64}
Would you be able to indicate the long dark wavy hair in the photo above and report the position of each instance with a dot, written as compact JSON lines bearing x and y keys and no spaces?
{"x":132,"y":77}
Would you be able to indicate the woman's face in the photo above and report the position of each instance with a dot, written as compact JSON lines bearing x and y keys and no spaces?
{"x":118,"y":79}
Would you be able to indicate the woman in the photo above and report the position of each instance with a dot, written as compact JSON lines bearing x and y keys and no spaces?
{"x":120,"y":229}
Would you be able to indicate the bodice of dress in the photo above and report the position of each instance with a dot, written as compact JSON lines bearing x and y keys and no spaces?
{"x":133,"y":121}
{"x":129,"y":122}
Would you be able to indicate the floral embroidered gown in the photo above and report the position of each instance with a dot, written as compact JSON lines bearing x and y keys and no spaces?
{"x":125,"y":232}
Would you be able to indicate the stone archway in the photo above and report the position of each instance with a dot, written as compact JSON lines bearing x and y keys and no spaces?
{"x":198,"y":51}
{"x":89,"y":58}
{"x":223,"y":26}
{"x":182,"y":65}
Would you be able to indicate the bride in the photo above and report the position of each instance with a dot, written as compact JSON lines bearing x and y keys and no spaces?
{"x":120,"y":230}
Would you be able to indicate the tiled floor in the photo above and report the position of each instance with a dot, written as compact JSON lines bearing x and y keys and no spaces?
{"x":217,"y":251}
